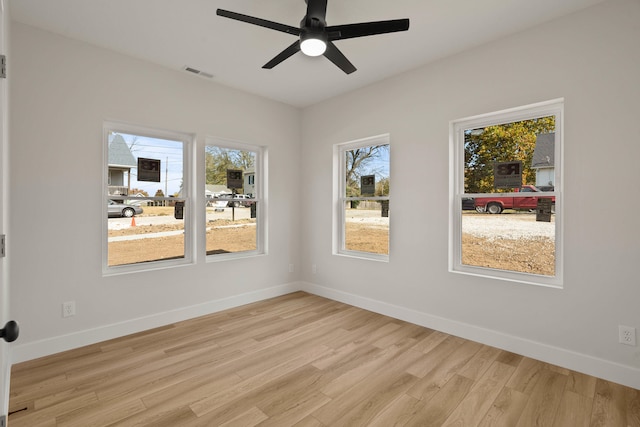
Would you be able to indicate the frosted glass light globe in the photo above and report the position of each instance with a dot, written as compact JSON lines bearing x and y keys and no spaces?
{"x":313,"y":47}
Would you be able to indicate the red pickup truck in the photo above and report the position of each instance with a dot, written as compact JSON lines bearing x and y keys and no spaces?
{"x":496,"y":204}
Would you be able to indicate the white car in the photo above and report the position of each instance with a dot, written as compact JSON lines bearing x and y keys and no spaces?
{"x":240,"y":200}
{"x":232,"y":200}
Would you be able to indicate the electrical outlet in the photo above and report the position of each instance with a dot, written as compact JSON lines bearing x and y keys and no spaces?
{"x":68,"y":309}
{"x":627,"y":335}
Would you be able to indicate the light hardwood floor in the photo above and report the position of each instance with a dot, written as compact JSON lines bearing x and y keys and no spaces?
{"x":307,"y":361}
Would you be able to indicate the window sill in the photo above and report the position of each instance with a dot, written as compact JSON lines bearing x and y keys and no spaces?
{"x":363,"y":256}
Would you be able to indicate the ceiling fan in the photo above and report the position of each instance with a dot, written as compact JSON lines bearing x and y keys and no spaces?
{"x":315,"y":38}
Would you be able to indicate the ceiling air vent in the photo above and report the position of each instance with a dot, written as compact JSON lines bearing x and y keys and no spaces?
{"x":198,"y":72}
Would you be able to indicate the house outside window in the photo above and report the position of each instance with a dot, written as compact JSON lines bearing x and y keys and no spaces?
{"x":362,"y":198}
{"x":148,"y":208}
{"x":121,"y":161}
{"x":506,"y":198}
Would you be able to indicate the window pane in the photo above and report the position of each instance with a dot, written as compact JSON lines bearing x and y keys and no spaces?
{"x":512,"y":242}
{"x":153,"y":235}
{"x":230,"y":229}
{"x":145,"y":179}
{"x":232,"y":200}
{"x":367,"y":171}
{"x":503,"y":157}
{"x":510,"y":158}
{"x":366,"y":227}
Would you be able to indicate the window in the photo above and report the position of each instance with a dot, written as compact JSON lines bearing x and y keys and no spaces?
{"x":146,"y":195}
{"x":506,"y":186}
{"x":362,"y":189}
{"x":234,"y":193}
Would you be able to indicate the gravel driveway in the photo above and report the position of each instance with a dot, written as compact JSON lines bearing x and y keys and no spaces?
{"x":507,"y":226}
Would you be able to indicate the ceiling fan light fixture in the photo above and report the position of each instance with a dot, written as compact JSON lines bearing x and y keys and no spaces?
{"x":313,"y":45}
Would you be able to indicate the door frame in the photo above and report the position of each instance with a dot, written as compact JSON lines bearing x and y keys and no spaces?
{"x":5,"y":354}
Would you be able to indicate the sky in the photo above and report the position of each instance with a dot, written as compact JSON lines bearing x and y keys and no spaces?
{"x":171,"y":167}
{"x":170,"y":154}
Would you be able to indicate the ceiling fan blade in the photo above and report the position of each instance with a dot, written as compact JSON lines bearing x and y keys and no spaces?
{"x":292,"y":49}
{"x":259,"y":21}
{"x":317,"y":9}
{"x":334,"y":55}
{"x":349,"y":31}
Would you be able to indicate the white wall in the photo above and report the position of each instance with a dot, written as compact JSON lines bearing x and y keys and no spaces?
{"x":591,"y":59}
{"x":62,"y":91}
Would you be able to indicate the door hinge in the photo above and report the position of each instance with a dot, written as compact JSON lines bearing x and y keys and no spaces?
{"x":3,"y":66}
{"x":3,"y":421}
{"x":3,"y":239}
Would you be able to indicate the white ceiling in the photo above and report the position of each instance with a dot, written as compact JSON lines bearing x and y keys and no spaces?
{"x":183,"y":33}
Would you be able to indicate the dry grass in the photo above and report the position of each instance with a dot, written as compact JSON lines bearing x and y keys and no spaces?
{"x":535,"y":256}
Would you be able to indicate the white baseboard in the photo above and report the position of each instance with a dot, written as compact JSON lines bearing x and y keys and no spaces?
{"x":46,"y":347}
{"x":600,"y":368}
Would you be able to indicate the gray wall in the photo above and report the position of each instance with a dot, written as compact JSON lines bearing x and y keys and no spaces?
{"x":591,"y":59}
{"x":62,"y":91}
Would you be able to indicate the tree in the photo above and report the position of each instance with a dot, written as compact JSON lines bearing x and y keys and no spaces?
{"x":501,"y":143}
{"x":159,"y":193}
{"x":382,"y":187}
{"x":135,"y":191}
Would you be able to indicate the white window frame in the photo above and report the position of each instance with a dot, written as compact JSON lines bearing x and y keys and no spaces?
{"x":188,"y":141}
{"x":260,"y":197}
{"x":340,"y":198}
{"x":456,"y":184}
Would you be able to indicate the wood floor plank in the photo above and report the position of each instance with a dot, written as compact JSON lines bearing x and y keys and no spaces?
{"x":291,"y":396}
{"x":574,"y":410}
{"x":443,"y":403}
{"x":438,"y":355}
{"x":484,"y":392}
{"x":506,"y":409}
{"x":582,"y":384}
{"x":430,"y":384}
{"x":309,"y":421}
{"x":544,"y":400}
{"x":164,"y":416}
{"x":633,"y":407}
{"x":47,"y":415}
{"x":369,"y":405}
{"x":480,"y":362}
{"x":509,"y":358}
{"x":398,"y":412}
{"x":609,"y":405}
{"x":368,"y":366}
{"x":372,"y":393}
{"x":101,"y":413}
{"x":303,"y":360}
{"x":526,"y":376}
{"x":296,"y":411}
{"x":430,"y":341}
{"x":357,"y":401}
{"x":210,"y":403}
{"x":252,"y":417}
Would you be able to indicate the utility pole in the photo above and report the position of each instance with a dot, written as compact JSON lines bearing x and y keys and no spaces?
{"x":166,"y":178}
